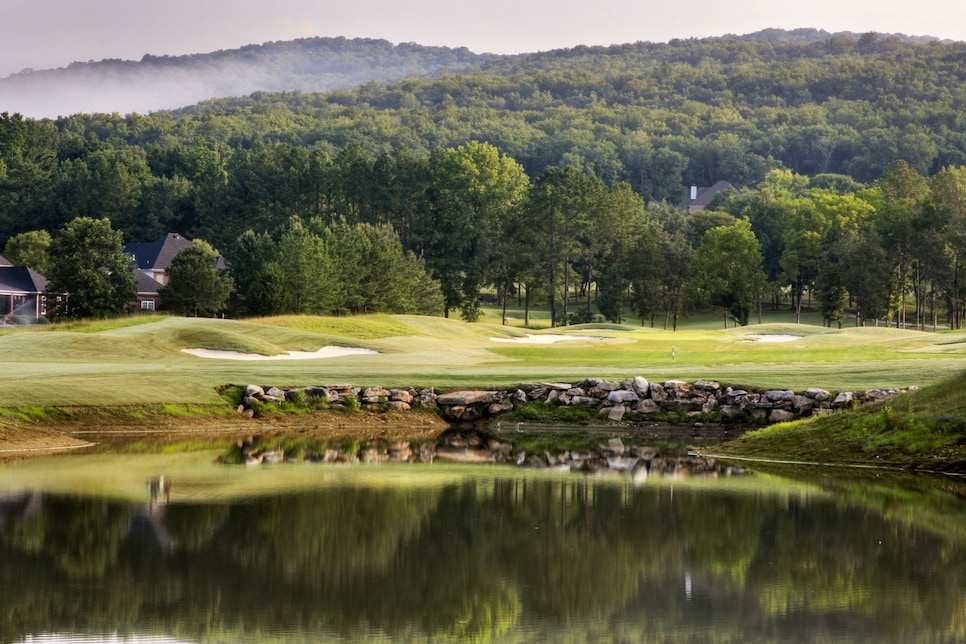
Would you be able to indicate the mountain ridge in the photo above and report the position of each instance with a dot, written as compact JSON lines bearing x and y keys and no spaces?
{"x":320,"y":64}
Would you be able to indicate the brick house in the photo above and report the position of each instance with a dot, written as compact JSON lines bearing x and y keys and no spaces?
{"x":21,"y":291}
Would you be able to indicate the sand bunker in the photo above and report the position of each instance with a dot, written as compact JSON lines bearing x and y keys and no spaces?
{"x":548,"y":338}
{"x":324,"y":352}
{"x":774,"y":337}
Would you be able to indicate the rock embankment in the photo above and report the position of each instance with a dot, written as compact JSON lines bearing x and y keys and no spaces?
{"x":338,"y":396}
{"x":614,"y":400}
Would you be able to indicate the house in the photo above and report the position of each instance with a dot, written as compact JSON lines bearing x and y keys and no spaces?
{"x":154,"y":258}
{"x":151,"y":261}
{"x":149,"y":298}
{"x":21,"y":291}
{"x":699,"y":198}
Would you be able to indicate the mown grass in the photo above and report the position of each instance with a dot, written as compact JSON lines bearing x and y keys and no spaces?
{"x":360,"y":327}
{"x":143,"y":364}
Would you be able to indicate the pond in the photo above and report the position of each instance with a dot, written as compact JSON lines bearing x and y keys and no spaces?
{"x":174,"y":548}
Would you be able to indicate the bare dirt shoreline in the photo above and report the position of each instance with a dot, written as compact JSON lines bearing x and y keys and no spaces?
{"x":93,"y":429}
{"x":86,"y":431}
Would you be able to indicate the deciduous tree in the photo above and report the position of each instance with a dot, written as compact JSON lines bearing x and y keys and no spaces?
{"x":89,"y":272}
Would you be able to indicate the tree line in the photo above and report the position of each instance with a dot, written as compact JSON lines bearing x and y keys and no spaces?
{"x":405,"y":234}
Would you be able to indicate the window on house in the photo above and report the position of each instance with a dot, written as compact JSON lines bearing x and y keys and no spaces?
{"x":147,"y":305}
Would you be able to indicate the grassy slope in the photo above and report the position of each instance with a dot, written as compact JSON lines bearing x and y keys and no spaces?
{"x":924,"y":429}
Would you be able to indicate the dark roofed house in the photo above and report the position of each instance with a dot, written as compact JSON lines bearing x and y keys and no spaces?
{"x":699,"y":198}
{"x":151,"y":261}
{"x":21,"y":291}
{"x":149,"y":298}
{"x":154,"y":258}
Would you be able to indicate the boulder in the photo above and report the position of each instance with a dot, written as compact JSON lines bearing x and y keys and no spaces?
{"x":707,"y":385}
{"x":678,"y":389}
{"x":647,"y":406}
{"x":584,"y":401}
{"x":845,"y":400}
{"x":818,"y":394}
{"x":641,"y":386}
{"x":463,"y":398}
{"x":615,"y":413}
{"x":623,"y":397}
{"x":779,"y":396}
{"x":780,"y":415}
{"x":374,"y":395}
{"x":562,"y":386}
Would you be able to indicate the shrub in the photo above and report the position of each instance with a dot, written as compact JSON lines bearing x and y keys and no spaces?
{"x":352,"y":403}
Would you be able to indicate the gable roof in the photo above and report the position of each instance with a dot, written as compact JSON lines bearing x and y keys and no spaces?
{"x":157,"y":255}
{"x":20,"y":279}
{"x":146,"y":285}
{"x":704,"y":196}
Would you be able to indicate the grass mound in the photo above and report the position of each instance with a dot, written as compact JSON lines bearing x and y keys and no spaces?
{"x":917,"y":429}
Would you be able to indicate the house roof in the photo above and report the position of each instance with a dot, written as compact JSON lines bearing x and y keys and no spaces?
{"x":704,"y":196}
{"x":5,"y":262}
{"x":157,"y":255}
{"x":146,"y":285}
{"x":20,"y":279}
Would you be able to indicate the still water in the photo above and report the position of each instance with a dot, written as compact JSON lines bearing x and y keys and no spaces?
{"x":103,"y":549}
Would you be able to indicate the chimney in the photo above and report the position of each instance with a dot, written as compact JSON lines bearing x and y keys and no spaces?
{"x":694,"y":193}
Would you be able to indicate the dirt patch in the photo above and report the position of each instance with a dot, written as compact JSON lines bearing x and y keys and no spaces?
{"x":24,"y":440}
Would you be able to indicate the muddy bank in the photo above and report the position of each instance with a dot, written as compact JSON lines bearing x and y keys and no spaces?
{"x":92,"y":429}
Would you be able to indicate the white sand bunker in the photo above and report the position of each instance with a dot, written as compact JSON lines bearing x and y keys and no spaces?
{"x":324,"y":352}
{"x":774,"y":337}
{"x":548,"y":338}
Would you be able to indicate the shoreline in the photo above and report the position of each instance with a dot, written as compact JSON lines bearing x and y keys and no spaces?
{"x":100,"y":429}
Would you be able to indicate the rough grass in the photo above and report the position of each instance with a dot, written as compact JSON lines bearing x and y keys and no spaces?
{"x":912,"y":429}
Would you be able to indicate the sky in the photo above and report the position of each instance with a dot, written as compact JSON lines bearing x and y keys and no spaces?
{"x":43,"y":34}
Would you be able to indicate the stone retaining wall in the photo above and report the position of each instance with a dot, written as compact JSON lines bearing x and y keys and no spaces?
{"x":615,"y":400}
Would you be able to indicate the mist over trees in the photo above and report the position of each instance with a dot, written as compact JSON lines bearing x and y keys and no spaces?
{"x":168,"y":82}
{"x":550,"y":179}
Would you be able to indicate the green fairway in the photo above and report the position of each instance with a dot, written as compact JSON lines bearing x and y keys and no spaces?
{"x":144,"y":363}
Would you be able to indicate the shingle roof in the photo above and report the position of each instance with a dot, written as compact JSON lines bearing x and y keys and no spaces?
{"x":157,"y":255}
{"x":146,"y":285}
{"x":704,"y":196}
{"x":20,"y":279}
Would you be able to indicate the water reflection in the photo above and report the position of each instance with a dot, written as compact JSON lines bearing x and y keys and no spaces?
{"x":491,"y":555}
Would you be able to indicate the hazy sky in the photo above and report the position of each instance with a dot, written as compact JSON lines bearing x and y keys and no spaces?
{"x":52,"y":33}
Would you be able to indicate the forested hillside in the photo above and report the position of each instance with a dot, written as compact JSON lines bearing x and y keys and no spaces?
{"x":554,"y":176}
{"x":165,"y":82}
